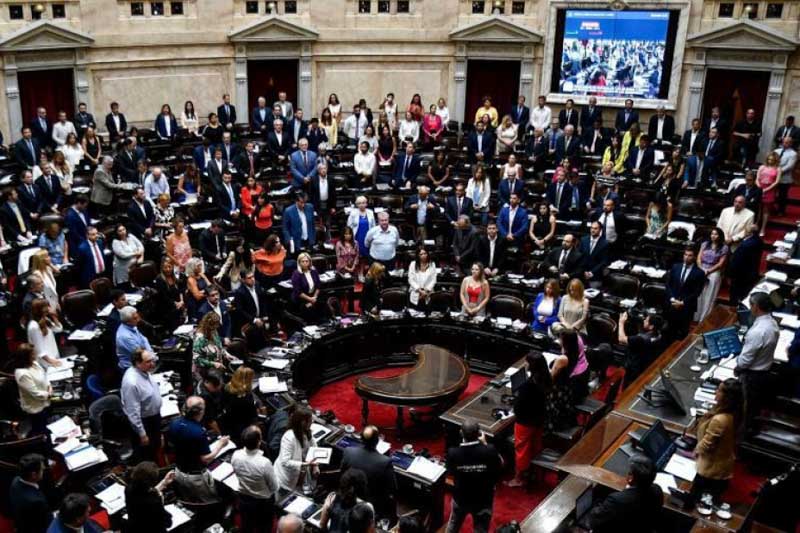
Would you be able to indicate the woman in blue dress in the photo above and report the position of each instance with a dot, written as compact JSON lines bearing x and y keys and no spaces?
{"x":361,"y":220}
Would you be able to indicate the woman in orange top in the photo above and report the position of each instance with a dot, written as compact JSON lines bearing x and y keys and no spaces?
{"x":250,"y":192}
{"x":269,"y":261}
{"x":261,"y":217}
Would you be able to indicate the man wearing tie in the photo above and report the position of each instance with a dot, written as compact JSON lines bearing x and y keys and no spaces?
{"x":565,"y":262}
{"x":246,"y":162}
{"x":15,"y":218}
{"x":41,"y":128}
{"x":684,"y":285}
{"x":590,"y":114}
{"x":298,"y":128}
{"x":228,"y":197}
{"x":90,"y":259}
{"x":49,"y":189}
{"x":261,"y":119}
{"x":287,"y":111}
{"x":693,"y":139}
{"x":229,"y":149}
{"x":568,"y":146}
{"x":713,"y":156}
{"x":626,"y":117}
{"x":512,"y":222}
{"x":458,"y":205}
{"x":520,"y":115}
{"x":537,"y":150}
{"x":640,"y":160}
{"x":787,"y":130}
{"x":227,"y":113}
{"x":84,"y":120}
{"x":595,"y":139}
{"x":559,"y":194}
{"x":595,"y":255}
{"x":303,"y":166}
{"x":26,"y":150}
{"x":553,"y":135}
{"x":278,"y":142}
{"x":250,"y":303}
{"x":298,"y":225}
{"x":407,"y":168}
{"x":568,"y":115}
{"x":715,"y":121}
{"x":29,"y":196}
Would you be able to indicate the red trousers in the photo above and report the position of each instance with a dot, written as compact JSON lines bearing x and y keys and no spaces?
{"x":527,"y":444}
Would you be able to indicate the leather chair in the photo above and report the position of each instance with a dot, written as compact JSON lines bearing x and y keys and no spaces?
{"x":653,"y":295}
{"x":79,"y":307}
{"x":689,"y":207}
{"x":143,"y":274}
{"x":506,"y":306}
{"x":334,"y":306}
{"x":441,"y":301}
{"x":320,"y":262}
{"x":602,"y":328}
{"x":394,"y":299}
{"x":102,"y":290}
{"x":622,"y":285}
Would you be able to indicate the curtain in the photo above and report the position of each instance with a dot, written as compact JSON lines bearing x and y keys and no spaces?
{"x":496,"y":79}
{"x":267,"y":78}
{"x":52,"y":89}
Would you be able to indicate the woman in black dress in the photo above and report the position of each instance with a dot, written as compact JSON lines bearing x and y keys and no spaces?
{"x":240,"y":406}
{"x":439,"y":170}
{"x":213,"y":130}
{"x":91,"y":148}
{"x":387,"y":146}
{"x":542,"y":227}
{"x":169,"y":293}
{"x":371,"y":293}
{"x":144,"y":501}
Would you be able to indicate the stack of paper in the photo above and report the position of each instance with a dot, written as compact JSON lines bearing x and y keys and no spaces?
{"x":68,"y":445}
{"x":703,"y":396}
{"x":666,"y":482}
{"x":298,"y":505}
{"x":425,"y":468}
{"x":618,"y":265}
{"x":271,"y":384}
{"x":82,"y":335}
{"x":112,"y":499}
{"x":169,"y":408}
{"x":319,"y":455}
{"x":184,"y":329}
{"x":681,"y":467}
{"x":84,"y":457}
{"x":788,"y":320}
{"x":225,"y":475}
{"x":63,"y":428}
{"x":277,"y":364}
{"x":59,"y":373}
{"x":775,"y":275}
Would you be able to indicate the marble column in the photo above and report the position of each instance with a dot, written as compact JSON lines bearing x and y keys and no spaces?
{"x":526,"y":80}
{"x":240,"y":97}
{"x":82,"y":92}
{"x":13,"y":103}
{"x":460,"y":79}
{"x":771,"y":121}
{"x":304,"y":88}
{"x":696,"y":82}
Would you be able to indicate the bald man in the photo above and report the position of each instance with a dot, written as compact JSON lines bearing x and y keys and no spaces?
{"x":381,"y":483}
{"x":290,"y":523}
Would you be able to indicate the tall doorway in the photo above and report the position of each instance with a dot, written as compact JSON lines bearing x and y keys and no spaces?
{"x":268,"y":77}
{"x":734,"y":92}
{"x":52,"y":89}
{"x":497,"y":79}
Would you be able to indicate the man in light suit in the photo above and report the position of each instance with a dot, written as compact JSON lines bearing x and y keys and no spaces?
{"x":406,"y":168}
{"x":298,"y":225}
{"x":641,"y":159}
{"x":103,"y":186}
{"x":287,"y":111}
{"x":521,"y":114}
{"x":27,"y":150}
{"x":626,"y":117}
{"x":297,"y":127}
{"x":512,"y":222}
{"x":787,"y":157}
{"x":227,"y":113}
{"x":116,"y":125}
{"x":684,"y":285}
{"x":303,"y":166}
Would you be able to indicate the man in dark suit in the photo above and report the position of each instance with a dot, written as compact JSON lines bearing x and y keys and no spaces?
{"x":250,"y":303}
{"x":322,"y":193}
{"x":716,"y":121}
{"x":406,"y":168}
{"x":83,"y":121}
{"x":568,"y":115}
{"x":684,"y":285}
{"x":228,"y":197}
{"x":612,"y":221}
{"x":492,"y":251}
{"x":694,"y":140}
{"x":141,"y":215}
{"x":297,"y":127}
{"x":49,"y":189}
{"x":661,"y":127}
{"x":744,"y":264}
{"x":521,"y":114}
{"x":246,"y":162}
{"x":559,"y":194}
{"x":381,"y":483}
{"x":279,"y":142}
{"x":27,"y":150}
{"x":565,"y":262}
{"x":536,"y":148}
{"x":509,"y":185}
{"x":465,"y":244}
{"x":595,"y":139}
{"x":230,"y":150}
{"x":29,"y":195}
{"x":116,"y":125}
{"x":90,"y":259}
{"x":590,"y":114}
{"x":77,"y":221}
{"x":594,"y":249}
{"x":458,"y":205}
{"x":512,"y":221}
{"x":298,"y":225}
{"x":203,"y":153}
{"x":42,"y":128}
{"x":746,"y":136}
{"x":212,"y":242}
{"x":635,"y":509}
{"x":125,"y":163}
{"x":213,"y":304}
{"x":15,"y":218}
{"x":26,"y":501}
{"x":713,"y":154}
{"x":421,"y":208}
{"x":215,"y":168}
{"x":261,"y":117}
{"x":641,"y":159}
{"x":626,"y":117}
{"x":788,"y":130}
{"x":750,"y":191}
{"x":315,"y":135}
{"x":567,"y":146}
{"x":227,"y":113}
{"x":481,"y":144}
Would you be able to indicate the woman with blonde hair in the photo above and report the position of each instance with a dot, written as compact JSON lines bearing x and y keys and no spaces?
{"x":506,"y":135}
{"x":240,"y":405}
{"x":767,"y":180}
{"x":573,"y":312}
{"x":63,"y":170}
{"x":164,"y":214}
{"x":371,"y":292}
{"x":42,"y":327}
{"x":305,"y":288}
{"x":43,"y":266}
{"x":207,"y":349}
{"x":178,"y":247}
{"x":196,"y":283}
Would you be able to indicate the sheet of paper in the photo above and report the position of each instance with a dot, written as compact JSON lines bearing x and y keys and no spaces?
{"x":225,"y":449}
{"x":169,"y":408}
{"x":425,"y":468}
{"x":62,"y":427}
{"x":185,"y":329}
{"x":114,"y":506}
{"x":321,"y":456}
{"x":81,"y":335}
{"x":179,"y":517}
{"x":114,"y":492}
{"x":299,"y":505}
{"x":83,"y":457}
{"x":318,"y":431}
{"x":681,"y":467}
{"x":383,"y":447}
{"x":58,"y":373}
{"x":666,"y":482}
{"x":222,"y":471}
{"x":277,"y":364}
{"x":784,"y":341}
{"x":232,"y":482}
{"x":270,"y":384}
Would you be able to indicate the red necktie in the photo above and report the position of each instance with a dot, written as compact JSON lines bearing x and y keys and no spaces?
{"x":98,"y":259}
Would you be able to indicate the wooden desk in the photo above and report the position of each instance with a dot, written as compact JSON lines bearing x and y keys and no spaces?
{"x":554,"y":510}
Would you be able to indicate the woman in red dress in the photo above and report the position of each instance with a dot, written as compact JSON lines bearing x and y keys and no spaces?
{"x":767,"y":180}
{"x":432,"y":127}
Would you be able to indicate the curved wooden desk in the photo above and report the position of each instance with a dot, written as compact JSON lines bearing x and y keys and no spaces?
{"x":436,"y":380}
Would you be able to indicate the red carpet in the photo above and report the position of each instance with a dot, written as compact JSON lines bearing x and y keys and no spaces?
{"x":340,"y":397}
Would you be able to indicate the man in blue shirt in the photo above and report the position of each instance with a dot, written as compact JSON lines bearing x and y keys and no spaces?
{"x":129,"y":338}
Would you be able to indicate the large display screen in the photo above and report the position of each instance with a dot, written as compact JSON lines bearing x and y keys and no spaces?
{"x":613,"y":53}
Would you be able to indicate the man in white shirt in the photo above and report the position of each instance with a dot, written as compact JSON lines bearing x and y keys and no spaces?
{"x":734,"y":220}
{"x":364,"y":165}
{"x":354,"y":125}
{"x":540,"y":115}
{"x":62,"y":129}
{"x":257,"y":483}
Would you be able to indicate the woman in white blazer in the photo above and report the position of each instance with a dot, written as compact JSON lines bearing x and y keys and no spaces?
{"x":294,"y":449}
{"x":421,"y":279}
{"x":479,"y":188}
{"x":361,"y":220}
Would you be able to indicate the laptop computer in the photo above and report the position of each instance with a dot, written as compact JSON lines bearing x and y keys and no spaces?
{"x":658,"y":445}
{"x":518,"y":379}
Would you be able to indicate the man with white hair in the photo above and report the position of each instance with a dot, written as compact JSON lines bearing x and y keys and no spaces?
{"x":141,"y":403}
{"x":261,"y":117}
{"x":382,"y":241}
{"x":303,"y":165}
{"x":279,"y":142}
{"x":733,"y":221}
{"x":156,"y":184}
{"x":421,"y":207}
{"x":129,"y":338}
{"x":290,"y":523}
{"x":104,"y":186}
{"x":661,"y":127}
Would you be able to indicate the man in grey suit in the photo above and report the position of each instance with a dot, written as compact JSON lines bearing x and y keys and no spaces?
{"x":381,"y":483}
{"x":104,"y":186}
{"x":286,"y":106}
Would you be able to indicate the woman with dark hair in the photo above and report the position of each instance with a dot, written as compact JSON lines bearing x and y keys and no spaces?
{"x":475,"y":292}
{"x":347,"y":258}
{"x":716,"y":441}
{"x":328,"y":122}
{"x":487,"y":109}
{"x":438,"y":170}
{"x":249,"y":194}
{"x":128,"y":251}
{"x":389,"y":108}
{"x":33,"y":386}
{"x":421,"y":279}
{"x":563,"y":395}
{"x":144,"y":501}
{"x":188,"y":183}
{"x":658,"y":217}
{"x":213,"y":130}
{"x":712,"y":259}
{"x":169,"y":294}
{"x":291,"y":461}
{"x":262,"y":214}
{"x":542,"y":227}
{"x":530,"y":410}
{"x":387,"y":146}
{"x":189,"y":119}
{"x":269,"y":261}
{"x":545,"y":307}
{"x":352,"y":490}
{"x":334,"y":108}
{"x":432,"y":127}
{"x":165,"y":124}
{"x":415,"y":108}
{"x":613,"y":154}
{"x":239,"y":261}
